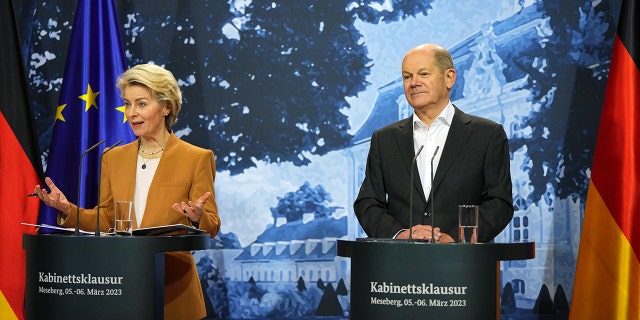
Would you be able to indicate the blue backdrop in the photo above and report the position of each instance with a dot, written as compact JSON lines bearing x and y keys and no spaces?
{"x":287,"y":94}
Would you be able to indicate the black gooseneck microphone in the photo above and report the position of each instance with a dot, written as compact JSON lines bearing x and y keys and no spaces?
{"x":77,"y":231}
{"x":411,"y":194}
{"x":97,"y":233}
{"x":433,"y":239}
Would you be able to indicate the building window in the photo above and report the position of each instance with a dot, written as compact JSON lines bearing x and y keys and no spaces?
{"x":521,"y":228}
{"x":361,"y":168}
{"x":404,"y":111}
{"x":518,"y":286}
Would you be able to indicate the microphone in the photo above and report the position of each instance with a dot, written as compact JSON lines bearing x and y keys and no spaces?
{"x":97,"y":234}
{"x":77,"y":231}
{"x":433,"y":240}
{"x":411,"y":194}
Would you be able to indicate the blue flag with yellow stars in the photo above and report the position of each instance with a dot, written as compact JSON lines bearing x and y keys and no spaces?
{"x":90,"y":108}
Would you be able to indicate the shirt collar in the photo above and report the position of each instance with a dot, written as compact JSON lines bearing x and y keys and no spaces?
{"x":445,"y":117}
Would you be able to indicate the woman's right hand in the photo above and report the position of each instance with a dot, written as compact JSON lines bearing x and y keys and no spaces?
{"x":54,"y":198}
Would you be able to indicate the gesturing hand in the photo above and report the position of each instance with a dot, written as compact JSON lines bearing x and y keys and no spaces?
{"x":193,"y":210}
{"x":54,"y":198}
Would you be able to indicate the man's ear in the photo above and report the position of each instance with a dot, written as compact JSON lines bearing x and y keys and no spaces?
{"x":450,"y":76}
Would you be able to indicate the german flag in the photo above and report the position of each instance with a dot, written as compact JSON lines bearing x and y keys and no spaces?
{"x":20,"y":166}
{"x":607,"y":281}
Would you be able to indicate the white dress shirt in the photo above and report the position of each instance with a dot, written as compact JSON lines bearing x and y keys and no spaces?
{"x":431,"y":137}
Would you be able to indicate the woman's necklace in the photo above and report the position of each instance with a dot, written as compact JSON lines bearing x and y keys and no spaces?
{"x":144,"y":162}
{"x":152,"y":154}
{"x":145,"y":159}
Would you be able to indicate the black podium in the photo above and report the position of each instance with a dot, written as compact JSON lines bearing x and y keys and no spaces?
{"x":108,"y":277}
{"x":397,"y":279}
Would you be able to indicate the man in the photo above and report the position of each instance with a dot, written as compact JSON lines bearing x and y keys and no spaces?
{"x":470,"y":157}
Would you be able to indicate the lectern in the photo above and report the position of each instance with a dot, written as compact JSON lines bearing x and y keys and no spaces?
{"x":109,"y":277}
{"x":397,"y":279}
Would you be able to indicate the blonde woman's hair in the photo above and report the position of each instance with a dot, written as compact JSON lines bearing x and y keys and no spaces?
{"x":161,"y":84}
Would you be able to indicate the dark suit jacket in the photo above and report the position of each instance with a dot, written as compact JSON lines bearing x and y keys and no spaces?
{"x":473,"y":169}
{"x":185,"y":172}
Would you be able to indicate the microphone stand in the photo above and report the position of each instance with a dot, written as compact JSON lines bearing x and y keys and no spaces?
{"x":77,"y":231}
{"x":411,"y":194}
{"x":97,"y":232}
{"x":433,"y":239}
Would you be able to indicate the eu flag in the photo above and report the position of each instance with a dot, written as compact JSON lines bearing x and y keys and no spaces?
{"x":90,"y":108}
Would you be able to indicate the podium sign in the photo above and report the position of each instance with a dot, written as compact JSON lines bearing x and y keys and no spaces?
{"x":87,"y":277}
{"x":397,"y":279}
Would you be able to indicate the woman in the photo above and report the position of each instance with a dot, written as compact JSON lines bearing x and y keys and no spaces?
{"x":169,"y":180}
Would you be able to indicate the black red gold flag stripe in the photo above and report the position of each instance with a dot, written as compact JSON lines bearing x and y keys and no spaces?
{"x":20,"y":166}
{"x":607,"y":281}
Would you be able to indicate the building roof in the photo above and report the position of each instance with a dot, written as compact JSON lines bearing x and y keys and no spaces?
{"x":292,"y":240}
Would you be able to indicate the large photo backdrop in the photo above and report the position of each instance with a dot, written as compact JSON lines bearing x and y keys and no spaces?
{"x":288,"y":93}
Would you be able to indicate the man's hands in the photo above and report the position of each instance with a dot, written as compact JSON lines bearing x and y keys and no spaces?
{"x":424,"y":232}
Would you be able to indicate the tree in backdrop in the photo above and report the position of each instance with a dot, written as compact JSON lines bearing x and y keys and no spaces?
{"x":263,"y":81}
{"x":268,"y":81}
{"x":561,"y":72}
{"x":306,"y":199}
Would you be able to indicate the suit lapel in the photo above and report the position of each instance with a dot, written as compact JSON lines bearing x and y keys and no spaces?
{"x":459,"y":133}
{"x":404,"y":138}
{"x":457,"y":137}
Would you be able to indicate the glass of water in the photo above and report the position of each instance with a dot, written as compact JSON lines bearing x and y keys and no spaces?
{"x":468,"y":223}
{"x":124,"y":217}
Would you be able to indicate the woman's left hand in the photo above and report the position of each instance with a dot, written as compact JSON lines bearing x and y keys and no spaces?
{"x":193,"y":209}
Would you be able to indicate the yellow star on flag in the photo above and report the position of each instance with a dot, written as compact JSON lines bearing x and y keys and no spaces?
{"x":90,"y":98}
{"x":59,"y":115}
{"x":124,"y":115}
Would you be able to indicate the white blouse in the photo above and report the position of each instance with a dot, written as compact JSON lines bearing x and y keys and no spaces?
{"x":142,"y":184}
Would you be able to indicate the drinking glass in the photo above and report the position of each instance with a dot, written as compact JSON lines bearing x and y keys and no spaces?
{"x":468,"y":223}
{"x":124,"y":217}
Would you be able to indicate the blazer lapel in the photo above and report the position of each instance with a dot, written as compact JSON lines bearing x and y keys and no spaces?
{"x":166,"y":167}
{"x":130,"y":162}
{"x":124,"y":175}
